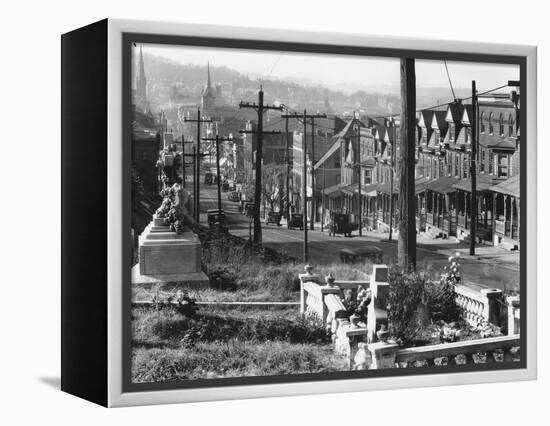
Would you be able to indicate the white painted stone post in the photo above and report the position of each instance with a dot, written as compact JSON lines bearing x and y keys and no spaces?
{"x":377,"y":314}
{"x":491,"y":309}
{"x":512,"y":302}
{"x":307,"y":276}
{"x":382,"y":355}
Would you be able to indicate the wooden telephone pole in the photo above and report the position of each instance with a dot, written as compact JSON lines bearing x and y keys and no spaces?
{"x":199,"y":120}
{"x":288,"y":171}
{"x":194,"y":162}
{"x":260,"y":109}
{"x":406,"y":242}
{"x":217,"y":141}
{"x":304,"y":119}
{"x":473,"y":203}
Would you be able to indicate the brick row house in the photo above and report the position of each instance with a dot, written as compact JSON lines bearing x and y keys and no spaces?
{"x":443,"y":181}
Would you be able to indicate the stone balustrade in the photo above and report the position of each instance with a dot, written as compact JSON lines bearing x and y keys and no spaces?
{"x":492,"y":349}
{"x":360,"y":345}
{"x":479,"y":307}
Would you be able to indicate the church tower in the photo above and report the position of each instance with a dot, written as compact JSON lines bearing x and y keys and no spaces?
{"x":208,"y":96}
{"x":141,"y":84}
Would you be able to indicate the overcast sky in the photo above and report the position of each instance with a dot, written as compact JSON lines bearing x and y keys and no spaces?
{"x":352,"y":71}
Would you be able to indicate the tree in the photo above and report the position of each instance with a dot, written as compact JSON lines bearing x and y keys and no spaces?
{"x":273,"y":184}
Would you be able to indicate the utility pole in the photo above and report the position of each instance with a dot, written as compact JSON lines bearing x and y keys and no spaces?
{"x":260,"y":109}
{"x":217,"y":141}
{"x":406,"y":243}
{"x":199,"y":120}
{"x":357,"y":169}
{"x":194,"y":156}
{"x":393,"y":142}
{"x":473,"y":203}
{"x":288,"y":171}
{"x":304,"y":119}
{"x":313,"y":206}
{"x":304,"y":186}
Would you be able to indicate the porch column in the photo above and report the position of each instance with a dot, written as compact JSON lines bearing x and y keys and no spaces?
{"x":505,"y":213}
{"x":495,"y":198}
{"x":512,"y":203}
{"x":519,"y":216}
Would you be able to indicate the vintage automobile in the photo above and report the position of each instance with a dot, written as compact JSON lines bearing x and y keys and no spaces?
{"x":274,"y":217}
{"x":351,"y":255}
{"x":340,"y":224}
{"x":249,"y":209}
{"x":216,"y":219}
{"x":296,"y":221}
{"x":233,"y":196}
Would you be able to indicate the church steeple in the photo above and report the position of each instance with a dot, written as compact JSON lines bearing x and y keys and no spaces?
{"x":141,"y":83}
{"x":208,"y":96}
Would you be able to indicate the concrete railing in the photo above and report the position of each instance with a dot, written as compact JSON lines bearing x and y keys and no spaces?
{"x":359,"y":343}
{"x":479,"y":307}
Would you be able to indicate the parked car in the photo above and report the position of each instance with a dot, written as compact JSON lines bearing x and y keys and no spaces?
{"x":352,"y":255}
{"x":296,"y":221}
{"x":216,"y":219}
{"x":340,"y":224}
{"x":249,"y":209}
{"x":233,"y":196}
{"x":274,"y":217}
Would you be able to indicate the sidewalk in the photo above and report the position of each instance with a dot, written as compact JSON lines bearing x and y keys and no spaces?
{"x":446,"y":247}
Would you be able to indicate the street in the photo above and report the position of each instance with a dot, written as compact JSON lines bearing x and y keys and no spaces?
{"x":491,"y":269}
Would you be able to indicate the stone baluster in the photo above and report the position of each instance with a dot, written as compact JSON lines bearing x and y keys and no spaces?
{"x":307,"y":276}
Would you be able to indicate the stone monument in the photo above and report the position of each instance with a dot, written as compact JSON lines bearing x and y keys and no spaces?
{"x":168,"y":250}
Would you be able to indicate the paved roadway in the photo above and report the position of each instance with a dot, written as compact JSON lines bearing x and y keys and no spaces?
{"x":487,"y":272}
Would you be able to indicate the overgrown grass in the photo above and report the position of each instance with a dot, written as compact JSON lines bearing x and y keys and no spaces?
{"x":228,"y":342}
{"x":170,"y":328}
{"x":233,"y":358}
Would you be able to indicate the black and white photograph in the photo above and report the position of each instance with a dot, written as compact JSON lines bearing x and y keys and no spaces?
{"x":298,"y":213}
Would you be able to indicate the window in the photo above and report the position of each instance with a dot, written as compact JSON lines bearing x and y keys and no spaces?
{"x":482,"y":122}
{"x":465,"y":171}
{"x":501,"y":125}
{"x":491,"y":163}
{"x":491,"y":129}
{"x":367,"y":177}
{"x":457,"y":165}
{"x":451,"y":132}
{"x":483,"y":158}
{"x":510,"y":125}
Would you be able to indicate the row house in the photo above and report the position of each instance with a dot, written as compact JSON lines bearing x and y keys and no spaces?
{"x":320,"y":145}
{"x":443,"y":171}
{"x":362,"y":153}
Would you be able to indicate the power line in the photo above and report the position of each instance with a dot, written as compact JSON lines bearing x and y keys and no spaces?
{"x":449,"y":77}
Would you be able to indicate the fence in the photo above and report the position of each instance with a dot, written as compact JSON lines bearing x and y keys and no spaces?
{"x":364,"y":347}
